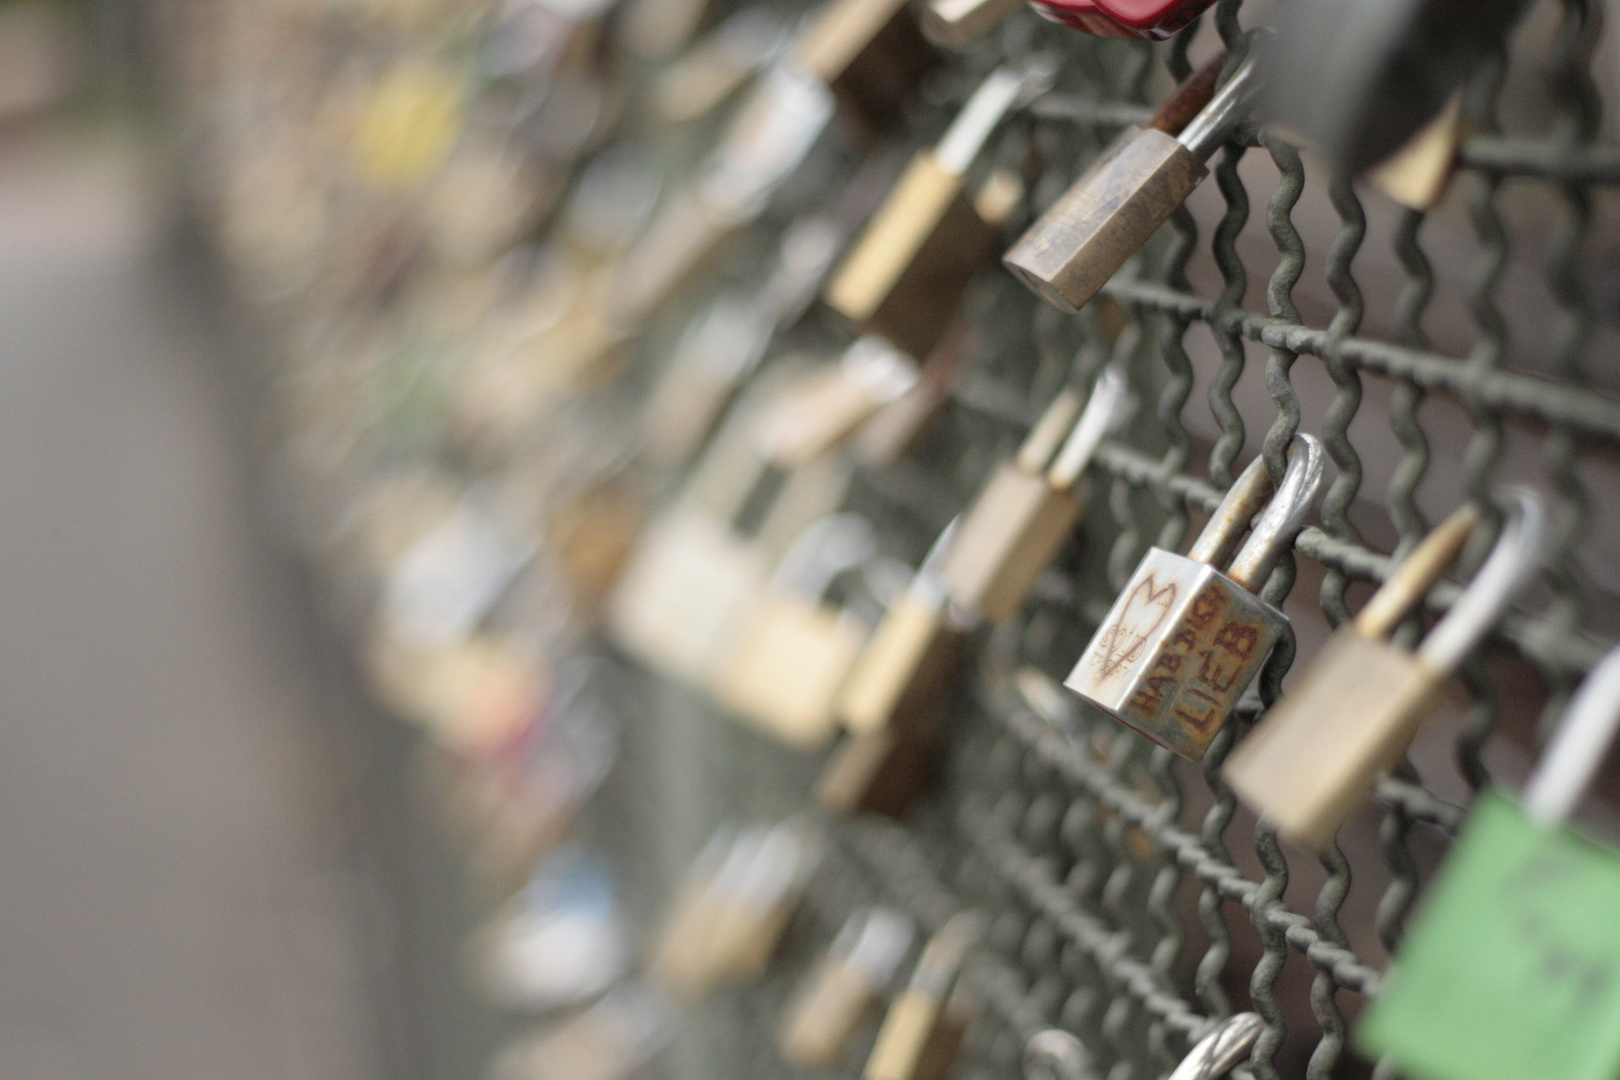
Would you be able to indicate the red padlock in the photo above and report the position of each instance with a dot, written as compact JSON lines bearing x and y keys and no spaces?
{"x":1080,"y":14}
{"x":1152,"y":19}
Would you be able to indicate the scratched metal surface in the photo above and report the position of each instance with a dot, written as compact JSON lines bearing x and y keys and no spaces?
{"x":1436,"y":355}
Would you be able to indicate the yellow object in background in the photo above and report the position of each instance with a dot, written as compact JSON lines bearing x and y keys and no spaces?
{"x":408,"y":125}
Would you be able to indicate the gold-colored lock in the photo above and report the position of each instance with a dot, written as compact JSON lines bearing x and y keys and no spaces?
{"x":871,"y":53}
{"x":824,"y":408}
{"x":1022,"y":516}
{"x":923,"y":1028}
{"x":1106,"y":215}
{"x":830,"y":1004}
{"x":784,"y":668}
{"x":894,"y":699}
{"x":1314,"y":757}
{"x":957,"y":24}
{"x":703,"y":562}
{"x":1418,"y":174}
{"x":1183,"y":641}
{"x":737,"y":899}
{"x":907,"y":272}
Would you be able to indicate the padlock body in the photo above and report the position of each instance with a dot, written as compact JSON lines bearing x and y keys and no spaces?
{"x":1512,"y":967}
{"x":1315,"y":755}
{"x":1077,"y":245}
{"x":1006,"y":541}
{"x":907,"y":273}
{"x":786,"y":665}
{"x":682,"y":594}
{"x":907,"y":649}
{"x":919,"y":1039}
{"x":1176,"y":652}
{"x":825,"y":1013}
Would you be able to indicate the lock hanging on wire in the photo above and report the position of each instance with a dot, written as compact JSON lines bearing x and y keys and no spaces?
{"x":858,"y":967}
{"x":1072,"y":250}
{"x":1184,"y":639}
{"x":1352,"y":714}
{"x":1022,"y":516}
{"x":1512,"y":967}
{"x":923,"y":1029}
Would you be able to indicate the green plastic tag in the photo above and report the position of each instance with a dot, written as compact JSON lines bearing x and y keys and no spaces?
{"x":1512,"y":971}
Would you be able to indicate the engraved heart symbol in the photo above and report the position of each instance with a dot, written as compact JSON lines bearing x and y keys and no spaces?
{"x":1145,"y":608}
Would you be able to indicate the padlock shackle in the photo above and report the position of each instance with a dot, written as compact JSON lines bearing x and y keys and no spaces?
{"x":1204,"y":134}
{"x":1514,"y":559}
{"x":1222,"y":1050}
{"x":1244,"y":499}
{"x":984,"y":111}
{"x":1109,"y":404}
{"x":1416,"y":574}
{"x":1283,"y":518}
{"x":1578,"y":746}
{"x":824,"y":551}
{"x":1190,"y":98}
{"x":942,"y":958}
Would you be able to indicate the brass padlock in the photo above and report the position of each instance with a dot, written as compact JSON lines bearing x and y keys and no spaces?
{"x":791,"y":655}
{"x":1182,"y":642}
{"x":871,"y":53}
{"x":737,"y":900}
{"x":957,"y":24}
{"x":702,"y":563}
{"x":894,"y":700}
{"x":1418,"y":174}
{"x":1106,"y":215}
{"x":830,"y":1004}
{"x":828,"y":405}
{"x":1022,"y":516}
{"x":1316,"y":754}
{"x":907,"y":272}
{"x":923,"y":1028}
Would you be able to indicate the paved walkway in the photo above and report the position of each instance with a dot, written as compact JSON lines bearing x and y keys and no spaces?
{"x":176,"y":894}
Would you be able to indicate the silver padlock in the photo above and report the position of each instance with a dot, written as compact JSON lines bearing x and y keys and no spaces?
{"x":1222,"y":1050}
{"x":1184,"y":639}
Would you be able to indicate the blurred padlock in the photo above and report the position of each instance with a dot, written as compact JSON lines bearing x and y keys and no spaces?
{"x":716,"y":66}
{"x":1133,"y":188}
{"x":840,"y":991}
{"x":957,"y":24}
{"x":923,"y":1028}
{"x":894,"y":700}
{"x":1316,"y":754}
{"x":871,"y":53}
{"x":1025,"y":512}
{"x":907,"y":272}
{"x":1151,"y":19}
{"x":824,"y":408}
{"x":784,"y":667}
{"x":702,"y":563}
{"x":1512,"y":966}
{"x":1182,"y":642}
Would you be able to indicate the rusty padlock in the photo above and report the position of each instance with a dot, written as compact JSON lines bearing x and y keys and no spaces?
{"x":1022,"y":516}
{"x":957,"y":24}
{"x":1352,"y":714}
{"x":906,"y":274}
{"x":923,"y":1028}
{"x":1112,"y":210}
{"x":1182,"y":642}
{"x":894,"y":699}
{"x":830,"y":1004}
{"x":790,"y":656}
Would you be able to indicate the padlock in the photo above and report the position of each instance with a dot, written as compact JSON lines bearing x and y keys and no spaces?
{"x":1417,"y":175}
{"x":1223,"y":1049}
{"x":1512,"y":967}
{"x":923,"y":1028}
{"x":957,"y":24}
{"x":1024,"y":513}
{"x":872,"y":53}
{"x":715,"y":67}
{"x":1082,"y":239}
{"x":826,"y":407}
{"x":1182,"y":642}
{"x":737,"y":899}
{"x":790,"y":656}
{"x":830,"y":1004}
{"x":1151,"y":19}
{"x":907,"y":272}
{"x":1316,"y":754}
{"x":894,"y":700}
{"x":701,"y":564}
{"x":1357,"y":81}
